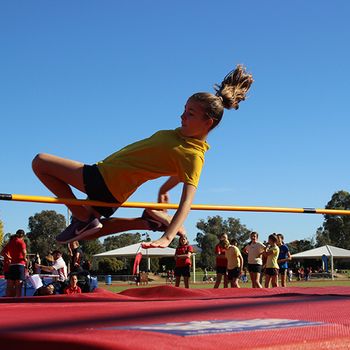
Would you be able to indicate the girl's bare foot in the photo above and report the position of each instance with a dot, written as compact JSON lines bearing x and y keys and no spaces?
{"x":162,"y":242}
{"x":163,"y":218}
{"x":160,"y":216}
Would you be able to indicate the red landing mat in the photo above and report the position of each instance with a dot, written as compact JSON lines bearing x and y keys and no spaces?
{"x":175,"y":318}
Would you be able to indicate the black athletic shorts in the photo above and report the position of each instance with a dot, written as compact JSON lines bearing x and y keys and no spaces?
{"x":271,"y":271}
{"x":221,"y":269}
{"x":182,"y":271}
{"x":255,"y":268}
{"x":16,"y":273}
{"x":234,"y":273}
{"x":97,"y":190}
{"x":283,"y":271}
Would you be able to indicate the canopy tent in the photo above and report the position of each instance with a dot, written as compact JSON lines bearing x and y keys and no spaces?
{"x":130,"y":251}
{"x":328,"y":251}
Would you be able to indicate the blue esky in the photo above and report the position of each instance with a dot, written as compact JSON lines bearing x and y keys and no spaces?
{"x":81,"y":79}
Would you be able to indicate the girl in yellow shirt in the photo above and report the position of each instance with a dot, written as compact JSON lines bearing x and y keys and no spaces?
{"x":271,"y":271}
{"x":176,"y":153}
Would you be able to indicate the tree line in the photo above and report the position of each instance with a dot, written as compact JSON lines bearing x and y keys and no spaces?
{"x":43,"y":227}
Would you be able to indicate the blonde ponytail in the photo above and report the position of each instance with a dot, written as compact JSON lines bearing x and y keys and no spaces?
{"x":229,"y":94}
{"x":234,"y":87}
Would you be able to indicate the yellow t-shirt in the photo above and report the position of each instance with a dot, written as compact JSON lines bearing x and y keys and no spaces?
{"x":232,"y":254}
{"x":271,"y":261}
{"x":166,"y":153}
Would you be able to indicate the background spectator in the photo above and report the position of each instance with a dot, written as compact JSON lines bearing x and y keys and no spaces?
{"x":221,"y":261}
{"x":15,"y":253}
{"x":254,"y":249}
{"x":283,"y":258}
{"x":183,"y":261}
{"x":73,"y":287}
{"x":76,"y":256}
{"x":58,"y":268}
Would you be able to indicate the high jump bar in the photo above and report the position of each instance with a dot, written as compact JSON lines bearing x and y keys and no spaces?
{"x":88,"y":202}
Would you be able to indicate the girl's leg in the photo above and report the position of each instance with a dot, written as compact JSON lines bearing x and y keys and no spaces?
{"x":117,"y":225}
{"x":177,"y":281}
{"x":284,"y":278}
{"x":164,"y":218}
{"x":218,"y":280}
{"x":225,"y":281}
{"x":236,"y":283}
{"x":186,"y":282}
{"x":18,"y":288}
{"x":267,"y":280}
{"x":10,"y":288}
{"x":274,"y":281}
{"x":253,"y":279}
{"x":257,"y":281}
{"x":58,"y":174}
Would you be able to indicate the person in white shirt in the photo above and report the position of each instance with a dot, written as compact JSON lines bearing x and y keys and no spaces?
{"x":58,"y":268}
{"x":254,"y":249}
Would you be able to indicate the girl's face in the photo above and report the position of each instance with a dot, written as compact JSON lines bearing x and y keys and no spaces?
{"x":254,"y":237}
{"x":271,"y":242}
{"x":223,"y":238}
{"x":194,"y":122}
{"x":73,"y":280}
{"x":183,"y":240}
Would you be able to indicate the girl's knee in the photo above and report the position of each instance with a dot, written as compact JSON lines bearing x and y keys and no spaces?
{"x":38,"y":161}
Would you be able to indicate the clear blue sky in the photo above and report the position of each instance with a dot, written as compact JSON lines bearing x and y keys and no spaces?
{"x":81,"y":79}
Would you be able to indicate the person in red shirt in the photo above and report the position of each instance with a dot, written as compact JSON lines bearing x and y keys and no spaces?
{"x":183,"y":261}
{"x":6,"y":268}
{"x":73,"y":287}
{"x":15,"y":252}
{"x":221,"y":261}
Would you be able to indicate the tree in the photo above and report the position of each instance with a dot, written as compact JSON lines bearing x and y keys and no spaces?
{"x":298,"y":246}
{"x":336,"y":229}
{"x":44,"y":227}
{"x":322,"y":237}
{"x":121,"y":240}
{"x":110,"y":265}
{"x":144,"y":264}
{"x":213,"y":228}
{"x":90,"y":248}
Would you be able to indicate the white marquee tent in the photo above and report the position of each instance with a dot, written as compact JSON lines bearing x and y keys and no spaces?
{"x":130,"y":251}
{"x":329,"y":251}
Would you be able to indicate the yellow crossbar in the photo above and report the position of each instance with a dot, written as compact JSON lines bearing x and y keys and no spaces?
{"x":87,"y":202}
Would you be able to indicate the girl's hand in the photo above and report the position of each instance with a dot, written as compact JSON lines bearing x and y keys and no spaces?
{"x":164,"y":198}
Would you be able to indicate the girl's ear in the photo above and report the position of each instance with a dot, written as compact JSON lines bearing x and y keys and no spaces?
{"x":210,"y":123}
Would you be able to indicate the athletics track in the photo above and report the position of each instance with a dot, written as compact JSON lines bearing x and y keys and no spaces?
{"x":174,"y":318}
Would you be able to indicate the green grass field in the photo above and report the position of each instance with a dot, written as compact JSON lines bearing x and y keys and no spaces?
{"x":119,"y":287}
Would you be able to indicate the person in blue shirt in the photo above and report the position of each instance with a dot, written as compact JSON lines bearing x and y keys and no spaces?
{"x":283,"y":258}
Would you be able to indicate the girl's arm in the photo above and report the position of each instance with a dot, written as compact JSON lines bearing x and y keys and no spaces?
{"x":163,"y":195}
{"x":245,"y":249}
{"x":188,"y":192}
{"x":268,"y":251}
{"x":289,"y":258}
{"x":179,"y":218}
{"x":188,"y":255}
{"x":240,"y":257}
